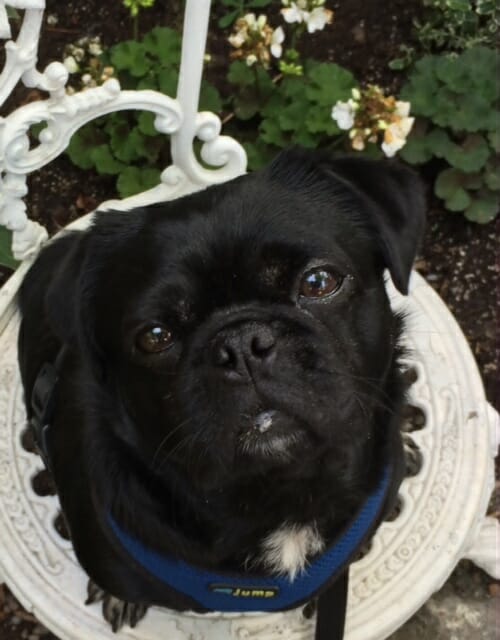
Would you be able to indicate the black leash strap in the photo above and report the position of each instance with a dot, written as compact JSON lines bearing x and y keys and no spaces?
{"x":332,"y":608}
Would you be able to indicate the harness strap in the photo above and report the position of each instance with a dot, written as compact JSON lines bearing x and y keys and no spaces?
{"x":332,"y":608}
{"x":43,"y":403}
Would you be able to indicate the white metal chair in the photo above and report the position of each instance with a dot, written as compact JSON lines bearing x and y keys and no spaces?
{"x":442,"y":518}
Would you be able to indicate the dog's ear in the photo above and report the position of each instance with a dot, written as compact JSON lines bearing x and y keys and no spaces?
{"x":68,"y":301}
{"x":386,"y":197}
{"x":80,"y":268}
{"x":395,"y":206}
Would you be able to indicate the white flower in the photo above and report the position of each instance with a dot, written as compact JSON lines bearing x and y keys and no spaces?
{"x":79,"y":53}
{"x":261,"y":22}
{"x":276,"y":40}
{"x":402,"y":108}
{"x":70,"y":64}
{"x":251,"y":60}
{"x":343,"y":113}
{"x":237,"y":39}
{"x":395,"y":136}
{"x":358,"y":144}
{"x":86,"y":78}
{"x":294,"y":14}
{"x":52,"y":19}
{"x":95,"y":49}
{"x":250,"y":19}
{"x":318,"y":19}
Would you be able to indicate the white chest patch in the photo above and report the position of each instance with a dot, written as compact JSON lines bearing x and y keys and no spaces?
{"x":286,"y":550}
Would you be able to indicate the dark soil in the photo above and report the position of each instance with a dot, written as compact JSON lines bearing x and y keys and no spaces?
{"x":458,"y":258}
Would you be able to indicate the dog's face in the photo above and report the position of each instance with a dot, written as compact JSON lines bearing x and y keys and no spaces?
{"x":246,"y":327}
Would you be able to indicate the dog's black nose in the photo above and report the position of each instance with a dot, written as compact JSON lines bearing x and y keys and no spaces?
{"x":239,"y":352}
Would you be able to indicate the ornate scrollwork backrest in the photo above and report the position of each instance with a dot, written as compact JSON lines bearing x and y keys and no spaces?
{"x":64,"y":114}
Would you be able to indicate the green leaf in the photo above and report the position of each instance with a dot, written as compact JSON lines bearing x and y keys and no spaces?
{"x":104,"y":160}
{"x":473,"y":114}
{"x":291,"y":118}
{"x":146,"y":123}
{"x":81,"y":145}
{"x":167,"y":81}
{"x":492,"y":174}
{"x":453,"y":73}
{"x":422,"y":87}
{"x":271,"y":133}
{"x":246,"y":105}
{"x":416,"y":150}
{"x":133,"y":180}
{"x":484,"y":208}
{"x":398,"y":64}
{"x":240,"y":74}
{"x":459,"y":201}
{"x":128,"y":145}
{"x":447,"y":183}
{"x":228,"y":19}
{"x":293,"y":88}
{"x":319,"y":120}
{"x":210,"y":99}
{"x":458,"y":5}
{"x":258,"y":4}
{"x":6,"y":257}
{"x":439,"y":143}
{"x":150,"y":81}
{"x":164,"y":44}
{"x":494,"y":140}
{"x":328,"y":83}
{"x":471,"y":155}
{"x":131,"y":56}
{"x":486,"y":7}
{"x":305,"y":139}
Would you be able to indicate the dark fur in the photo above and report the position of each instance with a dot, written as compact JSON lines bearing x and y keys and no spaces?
{"x":155,"y":438}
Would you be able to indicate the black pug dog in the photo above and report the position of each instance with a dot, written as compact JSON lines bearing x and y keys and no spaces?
{"x":228,"y":379}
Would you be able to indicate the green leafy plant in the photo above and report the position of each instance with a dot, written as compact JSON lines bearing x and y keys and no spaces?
{"x":125,"y":144}
{"x":290,"y":110}
{"x":453,"y":25}
{"x":458,"y":104}
{"x":6,"y":257}
{"x":237,"y":8}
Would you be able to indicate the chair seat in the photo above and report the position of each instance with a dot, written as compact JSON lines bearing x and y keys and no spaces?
{"x":442,"y":516}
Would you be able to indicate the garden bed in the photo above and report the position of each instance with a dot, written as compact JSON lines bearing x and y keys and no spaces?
{"x":458,"y":258}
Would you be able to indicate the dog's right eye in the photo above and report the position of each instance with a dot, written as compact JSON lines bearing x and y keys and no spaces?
{"x":154,"y":339}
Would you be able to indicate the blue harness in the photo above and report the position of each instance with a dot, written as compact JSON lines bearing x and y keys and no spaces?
{"x":239,"y":592}
{"x":326,"y":577}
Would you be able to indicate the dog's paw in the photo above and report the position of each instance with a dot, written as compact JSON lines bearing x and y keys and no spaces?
{"x":413,"y":456}
{"x":115,"y":611}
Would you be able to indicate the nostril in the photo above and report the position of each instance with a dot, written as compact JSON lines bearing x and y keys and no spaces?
{"x":262,"y":344}
{"x":224,"y":356}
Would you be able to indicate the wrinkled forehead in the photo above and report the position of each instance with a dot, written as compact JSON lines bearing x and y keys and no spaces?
{"x":233,"y":241}
{"x":253,"y":222}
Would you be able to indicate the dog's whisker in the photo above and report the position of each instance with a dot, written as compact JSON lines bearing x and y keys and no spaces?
{"x":169,"y":435}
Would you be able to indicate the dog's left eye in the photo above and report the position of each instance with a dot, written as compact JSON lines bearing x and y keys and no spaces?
{"x":154,"y":339}
{"x":319,"y":283}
